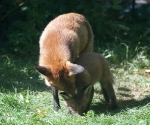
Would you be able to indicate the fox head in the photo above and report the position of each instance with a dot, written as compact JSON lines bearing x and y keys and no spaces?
{"x":79,"y":103}
{"x":61,"y":77}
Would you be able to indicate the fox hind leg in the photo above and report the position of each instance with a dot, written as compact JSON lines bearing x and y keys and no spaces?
{"x":109,"y":94}
{"x":105,"y":94}
{"x":112,"y":96}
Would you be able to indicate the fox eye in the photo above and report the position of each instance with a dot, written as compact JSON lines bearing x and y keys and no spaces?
{"x":73,"y":108}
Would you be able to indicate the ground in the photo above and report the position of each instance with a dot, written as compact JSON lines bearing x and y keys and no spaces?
{"x":26,"y":100}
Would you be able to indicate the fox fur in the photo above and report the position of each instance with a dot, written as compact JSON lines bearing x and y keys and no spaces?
{"x":96,"y":69}
{"x":63,"y":40}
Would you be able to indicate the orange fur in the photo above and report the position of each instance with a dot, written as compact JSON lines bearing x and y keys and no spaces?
{"x":64,"y":39}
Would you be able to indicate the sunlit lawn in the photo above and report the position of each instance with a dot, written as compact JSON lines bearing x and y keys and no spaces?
{"x":26,"y":100}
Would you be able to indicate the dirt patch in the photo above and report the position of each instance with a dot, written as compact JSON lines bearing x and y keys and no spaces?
{"x":131,"y":90}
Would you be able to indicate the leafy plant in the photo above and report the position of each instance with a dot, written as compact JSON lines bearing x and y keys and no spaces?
{"x":23,"y":22}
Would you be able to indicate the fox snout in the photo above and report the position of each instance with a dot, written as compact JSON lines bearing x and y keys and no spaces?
{"x":74,"y":111}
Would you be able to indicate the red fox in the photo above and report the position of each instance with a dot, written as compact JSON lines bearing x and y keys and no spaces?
{"x":96,"y":69}
{"x":63,"y":40}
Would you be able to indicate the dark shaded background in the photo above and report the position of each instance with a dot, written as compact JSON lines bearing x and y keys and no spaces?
{"x":113,"y":21}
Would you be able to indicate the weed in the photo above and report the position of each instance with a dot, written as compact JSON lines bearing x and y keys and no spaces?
{"x":25,"y":99}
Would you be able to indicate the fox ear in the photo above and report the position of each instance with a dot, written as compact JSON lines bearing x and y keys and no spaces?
{"x":74,"y":68}
{"x":88,"y":89}
{"x":43,"y":70}
{"x":65,"y":96}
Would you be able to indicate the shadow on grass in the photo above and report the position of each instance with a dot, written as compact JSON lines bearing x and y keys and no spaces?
{"x":19,"y":73}
{"x":105,"y":108}
{"x":125,"y":101}
{"x":9,"y":85}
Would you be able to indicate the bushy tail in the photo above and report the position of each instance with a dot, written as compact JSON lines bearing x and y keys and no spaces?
{"x":107,"y":77}
{"x":89,"y":45}
{"x":111,"y":78}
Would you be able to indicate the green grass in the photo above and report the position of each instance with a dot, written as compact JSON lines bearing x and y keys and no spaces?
{"x":26,"y":100}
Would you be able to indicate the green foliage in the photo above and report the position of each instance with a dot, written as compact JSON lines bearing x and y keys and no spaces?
{"x":26,"y":100}
{"x":22,"y":22}
{"x":123,"y":38}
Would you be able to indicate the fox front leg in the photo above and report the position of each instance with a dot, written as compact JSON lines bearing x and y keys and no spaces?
{"x":55,"y":98}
